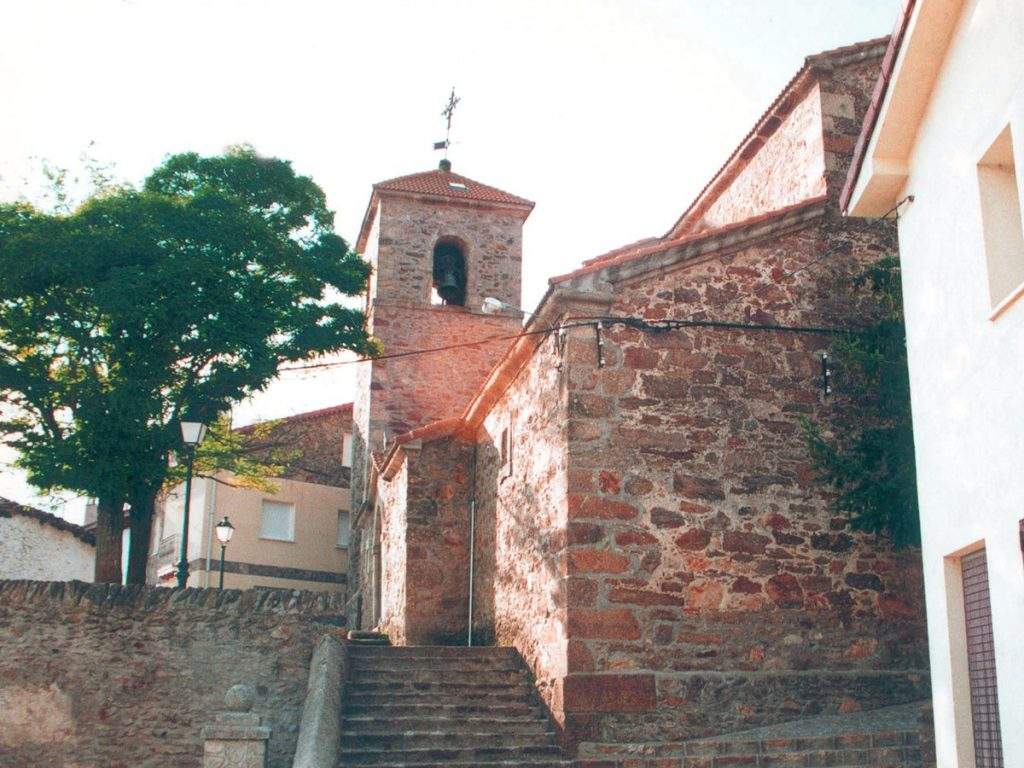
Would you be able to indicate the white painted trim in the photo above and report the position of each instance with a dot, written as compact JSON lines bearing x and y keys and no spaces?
{"x":1006,"y":303}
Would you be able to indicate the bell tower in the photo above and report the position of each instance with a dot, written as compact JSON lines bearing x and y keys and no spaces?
{"x":439,"y":244}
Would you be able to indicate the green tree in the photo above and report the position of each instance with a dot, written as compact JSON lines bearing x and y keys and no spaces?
{"x":143,"y":307}
{"x":870,"y":461}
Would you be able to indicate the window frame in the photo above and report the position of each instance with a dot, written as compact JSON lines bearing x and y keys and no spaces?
{"x":291,"y":520}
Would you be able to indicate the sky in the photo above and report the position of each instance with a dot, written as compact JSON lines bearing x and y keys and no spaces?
{"x":609,"y":114}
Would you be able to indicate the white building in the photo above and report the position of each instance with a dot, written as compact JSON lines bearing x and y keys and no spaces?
{"x":947,"y":128}
{"x":37,"y":545}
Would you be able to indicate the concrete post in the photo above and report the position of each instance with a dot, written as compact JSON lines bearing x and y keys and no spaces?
{"x":236,"y":738}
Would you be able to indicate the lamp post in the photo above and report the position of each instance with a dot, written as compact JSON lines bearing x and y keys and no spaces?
{"x":224,"y":532}
{"x":192,"y":434}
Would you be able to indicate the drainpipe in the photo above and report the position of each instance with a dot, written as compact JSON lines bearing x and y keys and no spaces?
{"x":472,"y":549}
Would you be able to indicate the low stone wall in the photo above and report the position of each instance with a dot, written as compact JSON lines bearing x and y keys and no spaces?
{"x":97,"y":675}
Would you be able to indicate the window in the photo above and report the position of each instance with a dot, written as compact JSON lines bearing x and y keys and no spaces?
{"x":277,"y":521}
{"x":449,"y":271}
{"x":981,"y":662}
{"x":346,"y":450}
{"x":344,"y":528}
{"x":1001,"y":220}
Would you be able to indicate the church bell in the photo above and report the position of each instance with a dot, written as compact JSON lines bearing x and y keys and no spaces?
{"x":449,"y":288}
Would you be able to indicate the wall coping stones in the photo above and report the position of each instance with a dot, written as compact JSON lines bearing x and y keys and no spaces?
{"x":152,"y":599}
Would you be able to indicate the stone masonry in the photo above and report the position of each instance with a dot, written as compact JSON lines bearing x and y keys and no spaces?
{"x":649,"y":532}
{"x":102,"y":676}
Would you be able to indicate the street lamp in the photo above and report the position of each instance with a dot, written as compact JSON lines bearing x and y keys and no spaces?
{"x":224,"y":532}
{"x":493,"y":306}
{"x":192,"y":434}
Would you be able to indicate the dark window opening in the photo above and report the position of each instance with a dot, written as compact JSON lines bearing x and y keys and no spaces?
{"x":450,"y":273}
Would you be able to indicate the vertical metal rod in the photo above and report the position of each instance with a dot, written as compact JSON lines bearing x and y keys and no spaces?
{"x":222,"y":548}
{"x":472,"y":558}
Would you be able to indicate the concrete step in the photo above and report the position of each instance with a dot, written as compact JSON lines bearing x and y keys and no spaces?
{"x":360,"y":725}
{"x":518,"y":755}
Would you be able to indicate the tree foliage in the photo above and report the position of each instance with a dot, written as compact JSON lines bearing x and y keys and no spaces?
{"x":145,"y":306}
{"x":871,"y":463}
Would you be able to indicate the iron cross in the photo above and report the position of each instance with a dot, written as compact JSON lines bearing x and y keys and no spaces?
{"x":447,"y":113}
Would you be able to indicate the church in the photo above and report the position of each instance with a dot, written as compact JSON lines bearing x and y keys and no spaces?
{"x":619,"y":489}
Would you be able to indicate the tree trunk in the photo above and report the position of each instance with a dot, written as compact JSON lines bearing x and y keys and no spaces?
{"x":141,"y":518}
{"x":109,"y":528}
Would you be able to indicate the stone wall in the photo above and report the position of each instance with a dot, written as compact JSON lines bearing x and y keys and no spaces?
{"x":409,"y":392}
{"x":391,"y":511}
{"x":491,"y":240}
{"x":102,"y":676}
{"x":714,"y":587}
{"x":437,"y":559}
{"x":519,"y":593}
{"x":789,"y":168}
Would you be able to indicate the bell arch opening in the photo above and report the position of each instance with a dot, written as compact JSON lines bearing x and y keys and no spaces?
{"x":449,"y":273}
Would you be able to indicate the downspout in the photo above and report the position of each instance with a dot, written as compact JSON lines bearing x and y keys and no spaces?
{"x":211,"y":507}
{"x":472,"y":548}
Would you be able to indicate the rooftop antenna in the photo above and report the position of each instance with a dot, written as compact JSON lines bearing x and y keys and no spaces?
{"x":447,"y":112}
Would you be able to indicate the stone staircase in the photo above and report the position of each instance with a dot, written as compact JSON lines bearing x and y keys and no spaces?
{"x":443,"y":706}
{"x":881,"y":738}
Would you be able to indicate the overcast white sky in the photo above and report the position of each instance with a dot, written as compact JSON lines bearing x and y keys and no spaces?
{"x":610,"y":114}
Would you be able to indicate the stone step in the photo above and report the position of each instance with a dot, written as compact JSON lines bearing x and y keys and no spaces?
{"x":356,"y":725}
{"x":517,"y":755}
{"x":453,"y":665}
{"x":390,"y":708}
{"x":519,"y":762}
{"x":431,"y":652}
{"x":463,"y":689}
{"x":362,"y":678}
{"x":482,"y":697}
{"x":445,"y":739}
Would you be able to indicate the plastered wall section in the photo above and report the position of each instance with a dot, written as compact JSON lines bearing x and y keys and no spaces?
{"x":103,"y":676}
{"x":965,"y":368}
{"x":30,"y":549}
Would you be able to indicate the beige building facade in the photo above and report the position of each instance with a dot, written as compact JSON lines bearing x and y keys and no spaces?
{"x":294,"y":536}
{"x":943,"y":146}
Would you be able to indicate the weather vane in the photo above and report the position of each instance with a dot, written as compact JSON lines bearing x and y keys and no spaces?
{"x":447,"y":112}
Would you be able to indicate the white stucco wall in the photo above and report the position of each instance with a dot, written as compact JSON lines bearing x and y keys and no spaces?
{"x":33,"y":550}
{"x":967,"y":371}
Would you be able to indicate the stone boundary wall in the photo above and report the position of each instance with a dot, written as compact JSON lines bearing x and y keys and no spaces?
{"x":109,"y":676}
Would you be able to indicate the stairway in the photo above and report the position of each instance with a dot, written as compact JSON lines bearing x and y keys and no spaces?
{"x":436,"y":706}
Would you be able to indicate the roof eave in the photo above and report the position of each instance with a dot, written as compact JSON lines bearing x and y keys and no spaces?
{"x":880,"y":166}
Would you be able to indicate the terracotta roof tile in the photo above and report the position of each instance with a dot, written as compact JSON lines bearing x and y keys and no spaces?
{"x":450,"y":185}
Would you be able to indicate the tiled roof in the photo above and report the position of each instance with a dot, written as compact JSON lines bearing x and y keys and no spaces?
{"x":450,"y":185}
{"x":639,"y":250}
{"x":10,"y":508}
